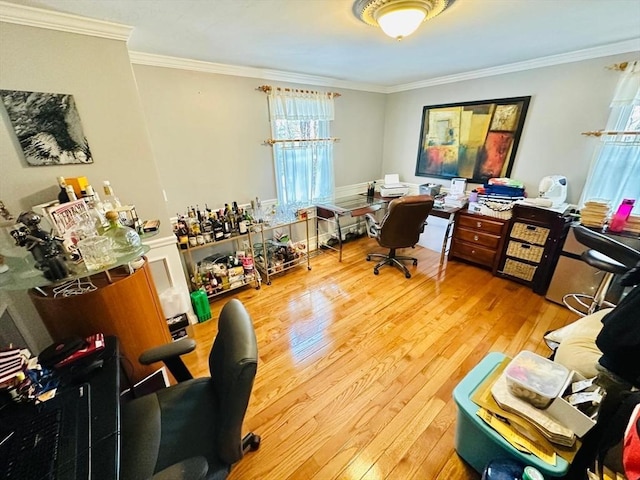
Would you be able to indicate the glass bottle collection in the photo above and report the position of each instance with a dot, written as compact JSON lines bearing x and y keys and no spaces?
{"x":100,"y":219}
{"x":199,"y":227}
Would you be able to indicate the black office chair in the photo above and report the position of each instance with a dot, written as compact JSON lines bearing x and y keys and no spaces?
{"x":607,"y":255}
{"x":193,"y":430}
{"x":400,"y":228}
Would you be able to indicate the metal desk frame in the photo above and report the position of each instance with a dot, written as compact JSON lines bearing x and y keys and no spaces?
{"x":361,"y":204}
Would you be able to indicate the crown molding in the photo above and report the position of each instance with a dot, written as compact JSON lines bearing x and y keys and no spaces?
{"x":577,"y":56}
{"x":64,"y":22}
{"x":141,"y":58}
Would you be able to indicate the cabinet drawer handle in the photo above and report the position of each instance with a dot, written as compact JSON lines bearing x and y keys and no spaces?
{"x":475,"y":237}
{"x":473,"y":252}
{"x":479,"y":224}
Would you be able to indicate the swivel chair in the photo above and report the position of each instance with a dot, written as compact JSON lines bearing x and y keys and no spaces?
{"x":192,"y":430}
{"x":607,"y":255}
{"x":400,"y":228}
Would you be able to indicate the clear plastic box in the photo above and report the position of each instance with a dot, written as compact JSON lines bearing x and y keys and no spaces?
{"x":535,"y":379}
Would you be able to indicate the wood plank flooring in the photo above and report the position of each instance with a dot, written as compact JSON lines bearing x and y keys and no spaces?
{"x":356,"y":371}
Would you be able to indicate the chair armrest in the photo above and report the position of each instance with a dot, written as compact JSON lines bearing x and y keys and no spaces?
{"x":168,"y":351}
{"x":194,"y":468}
{"x":373,"y":227}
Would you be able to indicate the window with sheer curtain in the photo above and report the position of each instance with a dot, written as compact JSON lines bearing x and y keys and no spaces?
{"x":615,"y":171}
{"x":302,"y":145}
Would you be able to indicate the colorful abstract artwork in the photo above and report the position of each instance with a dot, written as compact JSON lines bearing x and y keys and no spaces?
{"x":472,"y":140}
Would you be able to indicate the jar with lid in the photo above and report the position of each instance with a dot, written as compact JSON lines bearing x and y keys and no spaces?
{"x":509,"y":469}
{"x":124,"y":240}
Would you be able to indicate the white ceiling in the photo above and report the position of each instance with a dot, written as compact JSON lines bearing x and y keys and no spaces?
{"x":323,"y":39}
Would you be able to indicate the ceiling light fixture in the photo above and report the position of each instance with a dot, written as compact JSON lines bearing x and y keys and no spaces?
{"x":398,"y":18}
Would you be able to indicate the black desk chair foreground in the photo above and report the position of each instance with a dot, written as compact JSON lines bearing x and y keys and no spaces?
{"x":400,"y":228}
{"x":193,"y":430}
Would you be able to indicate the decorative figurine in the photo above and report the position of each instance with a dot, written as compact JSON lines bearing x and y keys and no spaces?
{"x":46,"y":249}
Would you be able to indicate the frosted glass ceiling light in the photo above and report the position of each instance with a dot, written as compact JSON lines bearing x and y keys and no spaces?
{"x":398,"y":18}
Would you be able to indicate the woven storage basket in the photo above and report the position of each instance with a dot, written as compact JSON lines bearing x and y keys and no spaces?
{"x":525,"y":251}
{"x":497,"y":209}
{"x":529,"y":233}
{"x":519,"y":269}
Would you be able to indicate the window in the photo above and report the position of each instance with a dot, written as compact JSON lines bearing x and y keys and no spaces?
{"x":302,"y":145}
{"x":615,"y":173}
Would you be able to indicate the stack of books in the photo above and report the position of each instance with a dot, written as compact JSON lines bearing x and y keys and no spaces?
{"x":633,"y":224}
{"x":11,"y":364}
{"x":595,"y":213}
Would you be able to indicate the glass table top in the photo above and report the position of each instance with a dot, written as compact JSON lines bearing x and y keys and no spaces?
{"x":23,"y":275}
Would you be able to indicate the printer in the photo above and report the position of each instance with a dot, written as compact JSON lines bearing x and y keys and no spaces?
{"x":392,"y":186}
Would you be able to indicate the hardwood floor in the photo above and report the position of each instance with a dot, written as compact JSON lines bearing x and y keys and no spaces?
{"x":356,"y":370}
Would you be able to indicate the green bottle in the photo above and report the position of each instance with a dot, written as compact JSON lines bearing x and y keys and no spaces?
{"x":124,"y":240}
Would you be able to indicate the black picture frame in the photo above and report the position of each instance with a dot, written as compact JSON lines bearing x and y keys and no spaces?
{"x":474,"y":140}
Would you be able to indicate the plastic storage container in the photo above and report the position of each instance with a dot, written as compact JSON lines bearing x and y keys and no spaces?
{"x":201,"y":306}
{"x":476,"y":442}
{"x":535,"y":379}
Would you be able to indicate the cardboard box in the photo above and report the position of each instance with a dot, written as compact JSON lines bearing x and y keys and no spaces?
{"x":78,"y":184}
{"x":567,"y":414}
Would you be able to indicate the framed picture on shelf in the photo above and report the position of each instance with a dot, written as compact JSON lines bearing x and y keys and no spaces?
{"x":472,"y":140}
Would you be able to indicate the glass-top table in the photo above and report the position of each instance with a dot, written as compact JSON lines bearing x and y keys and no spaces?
{"x":361,"y":204}
{"x":23,"y":275}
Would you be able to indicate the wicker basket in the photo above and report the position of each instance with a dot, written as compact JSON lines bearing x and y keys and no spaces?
{"x":525,"y":251}
{"x":500,"y":210}
{"x":519,"y":269}
{"x":529,"y":233}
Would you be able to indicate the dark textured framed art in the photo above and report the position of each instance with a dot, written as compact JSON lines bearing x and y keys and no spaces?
{"x":472,"y":140}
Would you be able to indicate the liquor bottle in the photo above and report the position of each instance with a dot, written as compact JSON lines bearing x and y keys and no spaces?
{"x":182,"y":232}
{"x":218,"y":229}
{"x":124,"y":240}
{"x":206,"y":227}
{"x":71,"y":193}
{"x":63,"y":197}
{"x":226,"y":226}
{"x":242,"y":223}
{"x":110,"y":201}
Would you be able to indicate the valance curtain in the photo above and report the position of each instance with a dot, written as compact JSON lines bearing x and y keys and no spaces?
{"x":615,"y":171}
{"x":302,"y":148}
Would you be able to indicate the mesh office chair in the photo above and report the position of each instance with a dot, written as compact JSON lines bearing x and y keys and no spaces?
{"x":193,"y":430}
{"x":605,"y":254}
{"x":400,"y":228}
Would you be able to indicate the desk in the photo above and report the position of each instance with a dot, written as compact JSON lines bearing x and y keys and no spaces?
{"x":361,"y":204}
{"x":352,"y":206}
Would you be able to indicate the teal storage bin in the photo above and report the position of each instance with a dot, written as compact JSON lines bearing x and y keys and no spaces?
{"x":475,"y":441}
{"x":201,"y":306}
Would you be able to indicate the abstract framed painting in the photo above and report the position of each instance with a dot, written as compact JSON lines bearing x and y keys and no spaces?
{"x":47,"y":126}
{"x":472,"y":140}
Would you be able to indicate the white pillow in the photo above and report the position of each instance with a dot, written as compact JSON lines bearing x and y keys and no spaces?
{"x":578,"y":350}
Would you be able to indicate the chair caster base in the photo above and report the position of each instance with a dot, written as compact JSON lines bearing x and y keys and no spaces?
{"x":251,"y":442}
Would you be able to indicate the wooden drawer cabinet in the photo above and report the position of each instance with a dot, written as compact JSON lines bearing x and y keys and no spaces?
{"x":478,"y":239}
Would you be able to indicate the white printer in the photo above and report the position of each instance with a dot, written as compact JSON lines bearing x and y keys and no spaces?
{"x":392,"y":186}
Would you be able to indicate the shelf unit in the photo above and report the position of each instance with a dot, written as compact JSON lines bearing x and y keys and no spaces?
{"x":253,"y":278}
{"x":263,"y":258}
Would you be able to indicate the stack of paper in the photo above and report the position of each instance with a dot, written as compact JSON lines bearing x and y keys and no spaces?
{"x":595,"y":213}
{"x":11,"y":363}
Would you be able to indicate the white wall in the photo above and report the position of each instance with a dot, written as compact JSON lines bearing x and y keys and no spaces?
{"x":208,"y":132}
{"x":97,"y":72}
{"x":565,"y":100}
